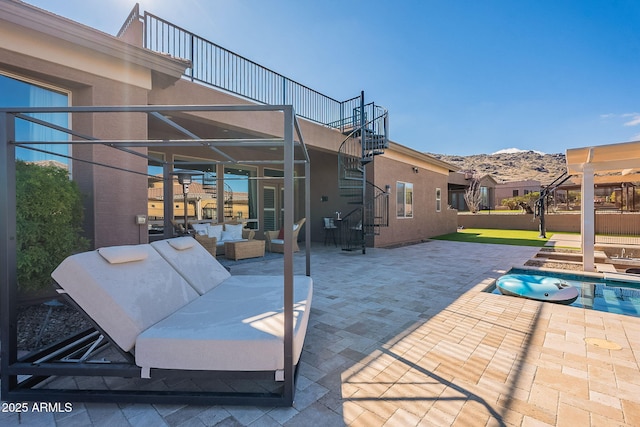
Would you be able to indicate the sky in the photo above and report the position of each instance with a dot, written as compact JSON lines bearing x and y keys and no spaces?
{"x":458,"y":77}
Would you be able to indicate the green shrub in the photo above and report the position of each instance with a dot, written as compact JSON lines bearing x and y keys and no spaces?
{"x":48,"y":221}
{"x":514,"y":202}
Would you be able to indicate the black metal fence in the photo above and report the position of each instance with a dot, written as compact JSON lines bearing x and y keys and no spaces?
{"x":214,"y":65}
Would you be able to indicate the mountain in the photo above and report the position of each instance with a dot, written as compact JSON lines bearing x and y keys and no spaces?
{"x":511,"y":165}
{"x":515,"y":150}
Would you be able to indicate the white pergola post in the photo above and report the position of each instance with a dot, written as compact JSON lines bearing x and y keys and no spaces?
{"x":588,"y":218}
{"x":621,"y":159}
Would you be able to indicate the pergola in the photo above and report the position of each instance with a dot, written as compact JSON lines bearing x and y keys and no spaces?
{"x":22,"y":376}
{"x":588,"y":162}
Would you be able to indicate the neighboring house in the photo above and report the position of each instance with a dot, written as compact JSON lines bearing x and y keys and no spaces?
{"x":48,"y":61}
{"x":505,"y":190}
{"x":459,"y":183}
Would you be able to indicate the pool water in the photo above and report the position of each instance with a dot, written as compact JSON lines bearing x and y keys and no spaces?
{"x":611,"y":295}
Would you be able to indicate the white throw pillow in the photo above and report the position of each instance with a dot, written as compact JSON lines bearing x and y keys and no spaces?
{"x":182,"y":243}
{"x":236,"y":231}
{"x":122,"y":254}
{"x":215,"y":231}
{"x":200,"y":229}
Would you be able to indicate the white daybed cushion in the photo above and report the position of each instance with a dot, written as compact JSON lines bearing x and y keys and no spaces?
{"x":199,"y":268}
{"x":125,"y":298}
{"x":237,"y":326}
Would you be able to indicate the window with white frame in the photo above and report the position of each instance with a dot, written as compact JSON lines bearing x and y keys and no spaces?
{"x":438,"y":200}
{"x":404,"y":200}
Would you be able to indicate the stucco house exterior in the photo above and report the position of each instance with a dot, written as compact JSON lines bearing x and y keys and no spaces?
{"x":505,"y":190}
{"x":47,"y":61}
{"x":459,"y":182}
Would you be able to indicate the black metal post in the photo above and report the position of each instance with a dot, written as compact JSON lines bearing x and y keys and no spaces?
{"x":541,"y":209}
{"x":364,"y":174}
{"x":289,"y":379}
{"x":8,"y":248}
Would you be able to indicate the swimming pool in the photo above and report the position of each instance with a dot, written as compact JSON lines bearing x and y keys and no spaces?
{"x":602,"y":294}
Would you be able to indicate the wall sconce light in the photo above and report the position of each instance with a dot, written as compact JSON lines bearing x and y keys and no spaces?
{"x":415,"y":169}
{"x":387,"y":189}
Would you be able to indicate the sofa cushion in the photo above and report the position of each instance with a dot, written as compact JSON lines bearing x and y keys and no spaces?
{"x":200,"y":229}
{"x":235,"y":230}
{"x":215,"y":231}
{"x":124,"y":298}
{"x":198,"y":267}
{"x":228,"y":236}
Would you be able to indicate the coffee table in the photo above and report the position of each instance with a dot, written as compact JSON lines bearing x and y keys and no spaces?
{"x":244,"y":249}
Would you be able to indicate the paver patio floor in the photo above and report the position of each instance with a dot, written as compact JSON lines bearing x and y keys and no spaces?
{"x":405,"y":337}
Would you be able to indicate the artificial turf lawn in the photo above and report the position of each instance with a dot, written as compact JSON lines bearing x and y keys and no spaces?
{"x":495,"y":236}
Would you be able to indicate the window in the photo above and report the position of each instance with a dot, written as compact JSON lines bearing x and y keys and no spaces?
{"x":526,"y":192}
{"x":438,"y":200}
{"x":21,"y":93}
{"x":273,"y":200}
{"x":241,"y":203}
{"x":404,"y":200}
{"x":515,"y":193}
{"x":269,"y":209}
{"x":484,"y":198}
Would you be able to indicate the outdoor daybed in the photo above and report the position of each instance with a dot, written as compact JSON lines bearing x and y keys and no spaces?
{"x":175,"y":307}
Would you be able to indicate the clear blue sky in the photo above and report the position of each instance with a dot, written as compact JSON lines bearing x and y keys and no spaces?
{"x":458,"y":76}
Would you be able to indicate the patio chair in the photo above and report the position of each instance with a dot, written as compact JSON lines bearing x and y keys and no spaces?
{"x":330,"y":228}
{"x":275,"y":239}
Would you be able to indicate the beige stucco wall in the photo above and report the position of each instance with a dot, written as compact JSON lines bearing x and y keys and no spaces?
{"x":426,"y":221}
{"x":112,"y":198}
{"x":184,"y":92}
{"x":30,"y":42}
{"x":505,"y":190}
{"x":568,"y":222}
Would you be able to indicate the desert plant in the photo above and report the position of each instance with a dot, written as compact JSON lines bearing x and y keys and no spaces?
{"x":473,"y":194}
{"x":48,"y":220}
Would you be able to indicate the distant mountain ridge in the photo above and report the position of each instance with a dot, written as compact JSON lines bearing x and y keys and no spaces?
{"x":511,"y":165}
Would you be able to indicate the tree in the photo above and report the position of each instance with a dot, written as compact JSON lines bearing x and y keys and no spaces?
{"x":473,"y":194}
{"x":48,"y":221}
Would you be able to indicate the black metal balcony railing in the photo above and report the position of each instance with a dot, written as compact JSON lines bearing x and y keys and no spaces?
{"x":216,"y":66}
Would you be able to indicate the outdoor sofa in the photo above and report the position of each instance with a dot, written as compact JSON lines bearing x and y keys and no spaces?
{"x":214,"y":236}
{"x":172,"y":305}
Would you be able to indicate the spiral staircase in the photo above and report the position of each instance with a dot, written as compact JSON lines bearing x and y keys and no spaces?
{"x":366,"y":127}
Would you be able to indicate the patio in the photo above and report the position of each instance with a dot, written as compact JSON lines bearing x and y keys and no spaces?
{"x":413,"y":341}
